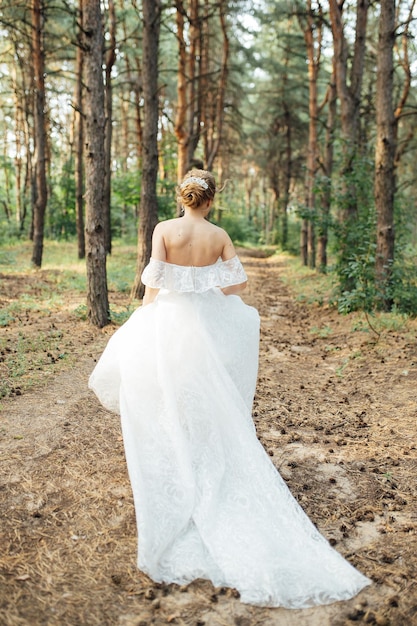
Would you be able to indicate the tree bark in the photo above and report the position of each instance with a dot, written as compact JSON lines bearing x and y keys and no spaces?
{"x":148,"y":210}
{"x":385,"y":151}
{"x":404,"y":61}
{"x":110,"y":60}
{"x":79,"y":147}
{"x":92,"y":36}
{"x":326,"y":195}
{"x":193,"y":90}
{"x":41,"y":197}
{"x":19,"y":147}
{"x":181,"y":112}
{"x":27,"y":104}
{"x":349,"y":93}
{"x":313,"y":40}
{"x":213,"y":148}
{"x":287,"y":179}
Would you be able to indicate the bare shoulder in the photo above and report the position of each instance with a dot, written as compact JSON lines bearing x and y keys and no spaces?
{"x":166,"y":225}
{"x":227,"y":247}
{"x":220,"y":232}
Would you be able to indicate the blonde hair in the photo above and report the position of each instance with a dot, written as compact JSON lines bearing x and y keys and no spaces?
{"x":197,"y":187}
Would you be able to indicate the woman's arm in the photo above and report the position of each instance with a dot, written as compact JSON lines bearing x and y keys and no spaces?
{"x":228,"y":253}
{"x":150,"y":295}
{"x":159,"y":253}
{"x":234,"y":289}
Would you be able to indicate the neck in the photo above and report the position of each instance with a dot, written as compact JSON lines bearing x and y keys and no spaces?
{"x":199,"y":213}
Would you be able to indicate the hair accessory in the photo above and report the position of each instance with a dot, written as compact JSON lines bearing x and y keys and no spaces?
{"x":195,"y":179}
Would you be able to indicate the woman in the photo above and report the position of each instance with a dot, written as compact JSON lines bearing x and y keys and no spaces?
{"x":182,"y":372}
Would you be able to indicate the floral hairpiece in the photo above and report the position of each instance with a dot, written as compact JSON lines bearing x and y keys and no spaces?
{"x":195,"y":179}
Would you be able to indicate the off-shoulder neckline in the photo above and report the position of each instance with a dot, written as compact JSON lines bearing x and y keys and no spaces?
{"x":219,"y":260}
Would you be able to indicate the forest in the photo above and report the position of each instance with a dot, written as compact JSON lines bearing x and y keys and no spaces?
{"x":305,"y":112}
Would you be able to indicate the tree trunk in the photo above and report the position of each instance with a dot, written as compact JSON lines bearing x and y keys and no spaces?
{"x":349,"y":94}
{"x":18,"y":157}
{"x":191,"y":83}
{"x":148,"y":210}
{"x":79,"y":148}
{"x":313,"y":39}
{"x":110,"y":60}
{"x":40,"y":133}
{"x":181,"y":113}
{"x":213,"y":148}
{"x":405,"y":63}
{"x":26,"y":102}
{"x":287,"y":181}
{"x":134,"y":80}
{"x":385,"y":151}
{"x":304,"y":242}
{"x":92,"y":36}
{"x":194,"y":96}
{"x":326,"y":195}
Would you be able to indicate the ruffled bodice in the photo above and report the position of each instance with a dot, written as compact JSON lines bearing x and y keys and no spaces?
{"x":182,"y":278}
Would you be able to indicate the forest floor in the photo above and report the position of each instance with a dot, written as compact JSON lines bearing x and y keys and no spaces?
{"x":335,"y":408}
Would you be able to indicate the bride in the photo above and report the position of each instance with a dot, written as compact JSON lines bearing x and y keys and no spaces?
{"x":181,"y":372}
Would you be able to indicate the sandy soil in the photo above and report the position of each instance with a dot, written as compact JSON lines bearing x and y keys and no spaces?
{"x":334,"y":408}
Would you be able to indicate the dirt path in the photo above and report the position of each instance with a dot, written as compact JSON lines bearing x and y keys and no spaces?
{"x":336,"y":413}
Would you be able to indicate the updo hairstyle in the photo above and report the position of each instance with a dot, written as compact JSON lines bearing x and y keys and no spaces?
{"x":197,"y":187}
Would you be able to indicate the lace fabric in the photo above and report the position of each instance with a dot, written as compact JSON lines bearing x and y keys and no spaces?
{"x":209,"y":502}
{"x":162,"y":275}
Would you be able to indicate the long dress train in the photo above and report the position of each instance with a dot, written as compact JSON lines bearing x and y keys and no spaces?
{"x":209,"y":503}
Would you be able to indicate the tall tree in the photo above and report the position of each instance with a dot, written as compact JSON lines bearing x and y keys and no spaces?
{"x":110,"y":60}
{"x":349,"y":89}
{"x":19,"y":118}
{"x":213,"y":105}
{"x":148,"y":210}
{"x":93,"y":43}
{"x":385,"y":151}
{"x":325,"y":186}
{"x":405,"y":64}
{"x":41,"y":190}
{"x":201,"y":80}
{"x":188,"y":113}
{"x":79,"y":143}
{"x":312,"y":26}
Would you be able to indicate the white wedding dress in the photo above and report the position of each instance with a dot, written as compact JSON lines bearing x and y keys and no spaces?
{"x":209,"y":502}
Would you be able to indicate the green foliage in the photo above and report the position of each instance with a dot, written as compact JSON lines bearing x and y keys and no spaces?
{"x":381,"y":322}
{"x":125,"y":198}
{"x":356,"y":239}
{"x":403,"y":284}
{"x":402,"y":288}
{"x":9,"y":232}
{"x":60,"y":217}
{"x":356,"y":253}
{"x":167,"y":203}
{"x":120,"y":317}
{"x":239,"y":228}
{"x":125,"y":202}
{"x":81,"y":312}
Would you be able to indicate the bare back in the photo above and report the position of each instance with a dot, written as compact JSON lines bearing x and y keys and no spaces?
{"x":191,"y":242}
